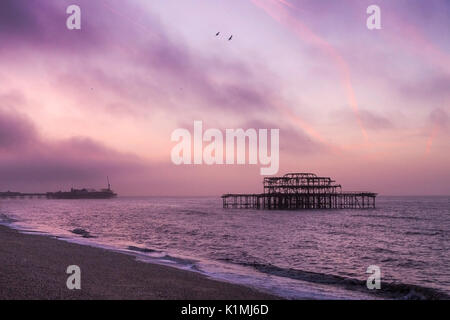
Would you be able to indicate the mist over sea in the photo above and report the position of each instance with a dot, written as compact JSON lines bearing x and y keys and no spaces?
{"x":296,"y":254}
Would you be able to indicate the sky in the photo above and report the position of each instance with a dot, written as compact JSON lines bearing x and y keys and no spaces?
{"x":369,"y":108}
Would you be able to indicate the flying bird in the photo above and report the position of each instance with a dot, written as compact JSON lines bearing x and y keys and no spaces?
{"x":217,"y":33}
{"x":230,"y":38}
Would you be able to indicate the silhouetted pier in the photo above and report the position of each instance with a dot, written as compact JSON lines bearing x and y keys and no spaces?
{"x":20,"y":195}
{"x":72,"y":194}
{"x":301,"y":191}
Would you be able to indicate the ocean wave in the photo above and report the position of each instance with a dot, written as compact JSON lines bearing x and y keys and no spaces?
{"x":415,"y":218}
{"x":384,"y":250}
{"x":391,"y":290}
{"x":144,"y":250}
{"x":422,"y":233}
{"x":6,"y":219}
{"x":193,"y":212}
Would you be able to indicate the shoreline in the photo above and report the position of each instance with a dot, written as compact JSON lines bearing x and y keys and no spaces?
{"x":33,"y":266}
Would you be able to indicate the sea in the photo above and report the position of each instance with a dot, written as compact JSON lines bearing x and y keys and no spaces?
{"x":307,"y":254}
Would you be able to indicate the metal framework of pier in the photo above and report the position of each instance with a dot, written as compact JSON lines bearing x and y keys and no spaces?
{"x":301,"y":191}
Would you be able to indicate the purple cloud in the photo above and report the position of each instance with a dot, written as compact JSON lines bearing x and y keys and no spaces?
{"x":42,"y":163}
{"x":440,"y":118}
{"x":370,"y":119}
{"x":432,"y":89}
{"x":292,"y":140}
{"x":162,"y":70}
{"x":374,"y":121}
{"x":16,"y":131}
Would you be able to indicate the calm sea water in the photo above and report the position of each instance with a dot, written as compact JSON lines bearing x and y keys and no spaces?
{"x":296,"y":254}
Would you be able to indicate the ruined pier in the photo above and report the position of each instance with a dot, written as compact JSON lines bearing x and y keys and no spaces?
{"x":301,"y":191}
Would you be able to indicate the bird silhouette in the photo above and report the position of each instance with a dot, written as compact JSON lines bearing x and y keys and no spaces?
{"x":230,"y":38}
{"x":217,"y":33}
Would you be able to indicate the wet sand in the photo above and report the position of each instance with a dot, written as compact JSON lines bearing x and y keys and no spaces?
{"x":34,"y":267}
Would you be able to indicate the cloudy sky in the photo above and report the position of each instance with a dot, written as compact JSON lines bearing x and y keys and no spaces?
{"x":369,"y":108}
